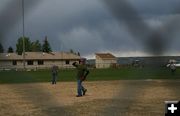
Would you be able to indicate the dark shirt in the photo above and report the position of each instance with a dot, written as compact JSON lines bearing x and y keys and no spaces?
{"x":54,"y":70}
{"x":82,"y":70}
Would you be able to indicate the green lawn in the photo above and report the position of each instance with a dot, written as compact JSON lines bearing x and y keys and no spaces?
{"x":95,"y":74}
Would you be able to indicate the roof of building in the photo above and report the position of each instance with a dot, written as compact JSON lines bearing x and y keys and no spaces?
{"x":39,"y":56}
{"x":9,"y":56}
{"x":105,"y":55}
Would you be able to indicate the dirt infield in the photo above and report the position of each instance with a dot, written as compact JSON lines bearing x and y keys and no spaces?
{"x":104,"y":98}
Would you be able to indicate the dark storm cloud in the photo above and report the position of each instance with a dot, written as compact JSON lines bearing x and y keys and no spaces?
{"x":155,"y":7}
{"x":154,"y":40}
{"x":11,"y":14}
{"x":81,"y":28}
{"x":89,"y":26}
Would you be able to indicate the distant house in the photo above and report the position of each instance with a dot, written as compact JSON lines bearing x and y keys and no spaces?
{"x":37,"y":60}
{"x":105,"y":60}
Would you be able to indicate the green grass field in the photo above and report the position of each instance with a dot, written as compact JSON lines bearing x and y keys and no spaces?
{"x":95,"y":74}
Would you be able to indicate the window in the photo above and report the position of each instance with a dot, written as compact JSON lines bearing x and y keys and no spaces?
{"x":30,"y":62}
{"x":14,"y":62}
{"x":40,"y":62}
{"x":67,"y":61}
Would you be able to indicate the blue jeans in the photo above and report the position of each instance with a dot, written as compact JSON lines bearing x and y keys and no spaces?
{"x":80,"y":88}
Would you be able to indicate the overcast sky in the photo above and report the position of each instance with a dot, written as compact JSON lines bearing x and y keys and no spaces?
{"x":91,"y":26}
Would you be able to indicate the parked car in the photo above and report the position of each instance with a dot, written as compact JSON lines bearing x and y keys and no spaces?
{"x":137,"y":63}
{"x":176,"y":63}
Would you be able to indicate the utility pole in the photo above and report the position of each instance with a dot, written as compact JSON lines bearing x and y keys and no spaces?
{"x":23,"y":35}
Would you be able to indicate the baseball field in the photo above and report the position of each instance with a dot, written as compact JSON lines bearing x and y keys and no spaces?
{"x":111,"y":92}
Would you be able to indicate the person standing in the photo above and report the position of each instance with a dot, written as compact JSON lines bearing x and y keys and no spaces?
{"x":54,"y":71}
{"x":82,"y":73}
{"x":172,"y":67}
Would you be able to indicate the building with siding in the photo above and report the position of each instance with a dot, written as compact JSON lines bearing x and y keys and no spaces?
{"x":105,"y":60}
{"x":37,"y":60}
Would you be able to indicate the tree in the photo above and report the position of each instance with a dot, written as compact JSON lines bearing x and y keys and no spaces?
{"x":46,"y":46}
{"x":36,"y":46}
{"x":71,"y":51}
{"x":78,"y":54}
{"x":19,"y":45}
{"x":10,"y":50}
{"x":1,"y":48}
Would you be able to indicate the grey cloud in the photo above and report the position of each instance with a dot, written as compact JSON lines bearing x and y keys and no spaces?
{"x":88,"y":26}
{"x":82,"y":40}
{"x":154,"y":41}
{"x":11,"y":14}
{"x":156,"y":7}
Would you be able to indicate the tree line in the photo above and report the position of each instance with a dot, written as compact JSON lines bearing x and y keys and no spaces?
{"x":34,"y":46}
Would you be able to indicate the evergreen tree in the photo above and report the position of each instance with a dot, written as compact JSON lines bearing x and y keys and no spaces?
{"x":78,"y":54}
{"x":46,"y":46}
{"x":71,"y":51}
{"x":1,"y":48}
{"x":10,"y":50}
